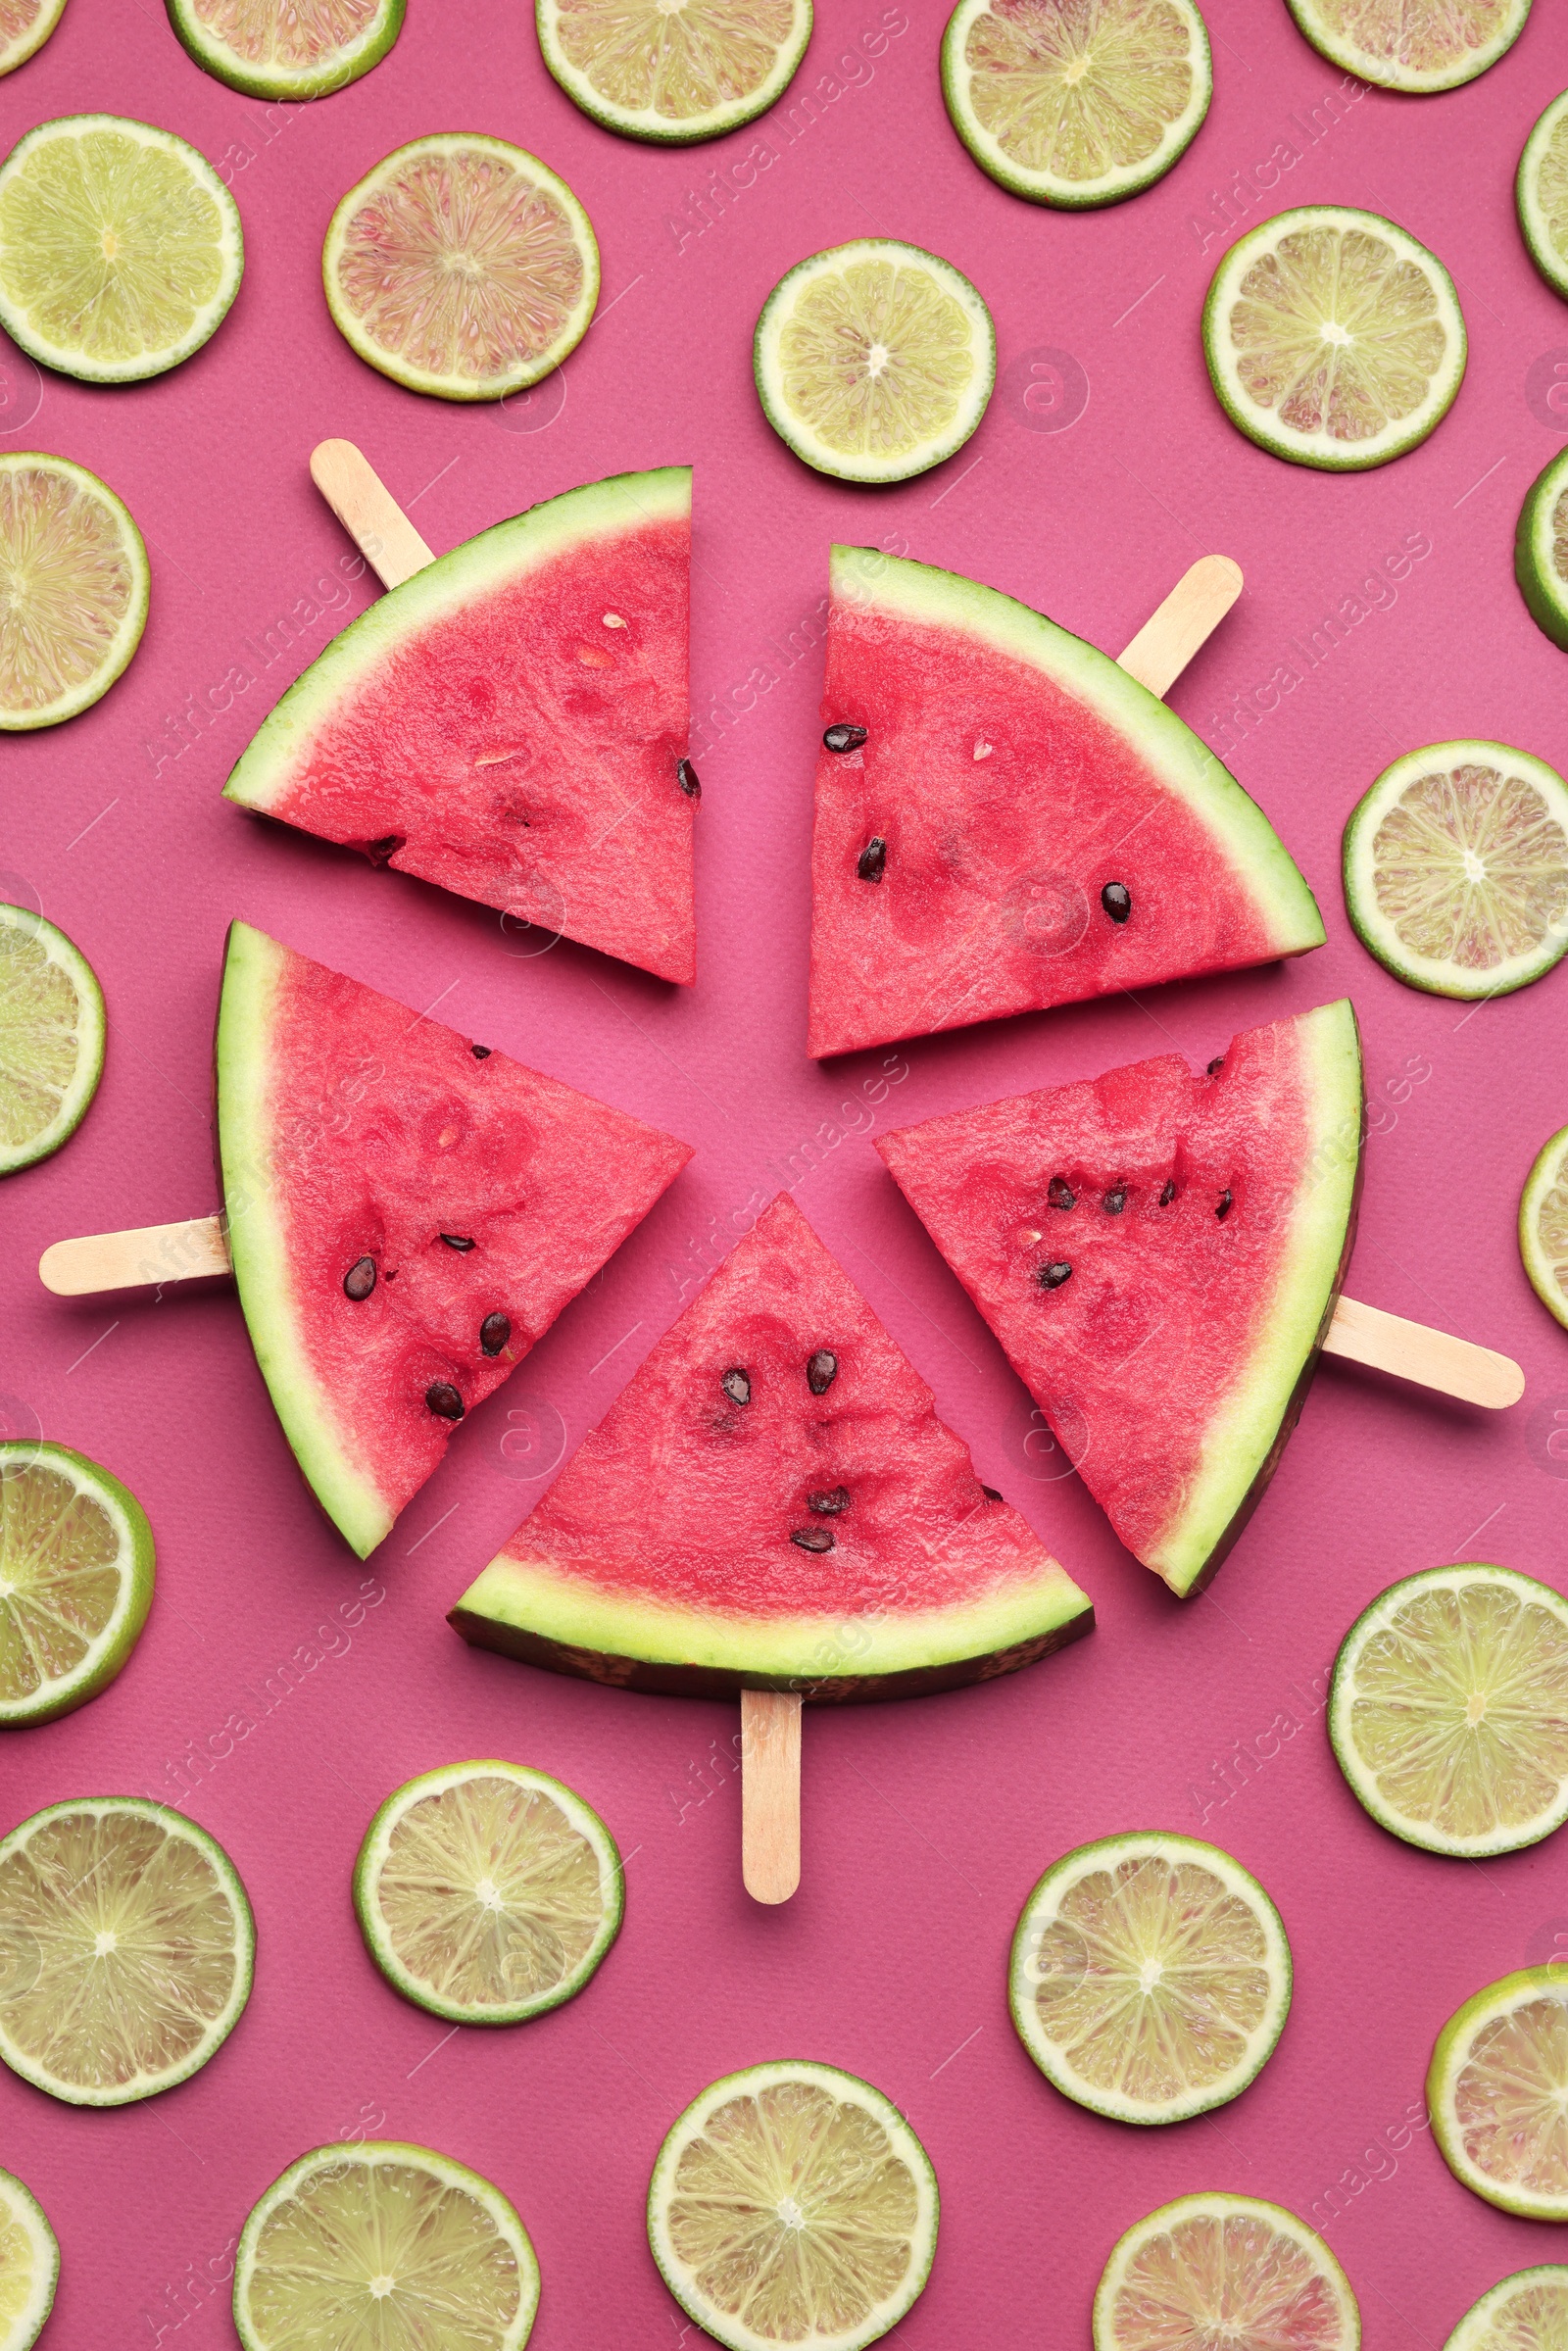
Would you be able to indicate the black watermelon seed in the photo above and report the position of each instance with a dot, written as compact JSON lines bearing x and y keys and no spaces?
{"x":737,"y":1385}
{"x":1169,"y":1192}
{"x":1051,"y":1277}
{"x":359,"y":1280}
{"x":494,"y":1332}
{"x":822,"y":1371}
{"x":872,"y":862}
{"x":1216,"y":1065}
{"x":812,"y":1539}
{"x":1116,"y":1200}
{"x":389,"y":1273}
{"x":442,"y":1398}
{"x":458,"y":1240}
{"x":481,"y":1052}
{"x":1224,"y":1208}
{"x":1060,"y":1193}
{"x":687,"y":778}
{"x":829,"y":1504}
{"x":380,"y":851}
{"x":1117,"y":900}
{"x":844,"y":738}
{"x":991,"y":1493}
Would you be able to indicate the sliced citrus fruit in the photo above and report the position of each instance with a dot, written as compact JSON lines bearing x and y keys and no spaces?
{"x":29,"y":2266}
{"x":120,"y":249}
{"x":674,"y":73}
{"x":1544,"y":1226}
{"x":75,"y":1579}
{"x":1232,"y":2270}
{"x":1498,"y":2094}
{"x":1448,"y":1711}
{"x":1456,"y":868}
{"x":1333,"y":338}
{"x":1542,"y":193}
{"x":487,"y":1892}
{"x":1420,"y":45}
{"x":874,"y":361}
{"x":460,"y":266}
{"x":73,"y":586}
{"x":1527,"y":2311}
{"x":1150,"y":1977}
{"x":1541,"y":550}
{"x":127,"y":1948}
{"x":384,"y":2244}
{"x":52,"y":1028}
{"x":792,"y":2204}
{"x":24,"y":27}
{"x":1074,"y":106}
{"x":287,"y":48}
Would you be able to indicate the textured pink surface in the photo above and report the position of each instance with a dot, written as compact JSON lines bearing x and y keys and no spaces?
{"x":925,"y":1823}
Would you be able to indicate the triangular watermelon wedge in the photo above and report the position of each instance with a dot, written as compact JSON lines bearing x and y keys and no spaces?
{"x":406,"y":1214}
{"x":1159,"y":1254}
{"x":1023,"y":824}
{"x":771,"y":1503}
{"x":512,"y":723}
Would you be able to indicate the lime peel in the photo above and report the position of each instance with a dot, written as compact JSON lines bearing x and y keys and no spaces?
{"x":1527,"y":2311}
{"x":75,"y":1579}
{"x":1221,"y":2268}
{"x":1541,"y":550}
{"x":1421,"y":46}
{"x":1541,"y":191}
{"x":51,"y":1031}
{"x":287,"y":48}
{"x":24,"y":29}
{"x":29,"y":2264}
{"x":1544,"y":1226}
{"x":74,"y":589}
{"x":674,"y":75}
{"x":1498,"y":2094}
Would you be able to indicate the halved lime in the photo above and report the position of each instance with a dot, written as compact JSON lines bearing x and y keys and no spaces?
{"x":1213,"y":2270}
{"x":75,"y":1579}
{"x":792,"y":2204}
{"x":487,"y":1892}
{"x":674,"y":73}
{"x":385,"y":2245}
{"x":1544,"y":1226}
{"x":1333,"y":338}
{"x":1421,"y":45}
{"x":73,"y":587}
{"x":1527,"y":2311}
{"x":1541,"y":194}
{"x":287,"y":48}
{"x":1073,"y":106}
{"x":460,"y":266}
{"x":29,"y":2266}
{"x":1541,"y":550}
{"x":120,"y":249}
{"x":1456,"y":868}
{"x":1498,"y":2094}
{"x":874,"y":361}
{"x":1150,"y":1977}
{"x":1448,"y":1711}
{"x":52,"y":1030}
{"x":24,"y":27}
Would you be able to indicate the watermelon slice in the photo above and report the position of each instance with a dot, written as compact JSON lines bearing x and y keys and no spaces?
{"x":1160,"y":1253}
{"x":407,"y":1214}
{"x":511,"y":722}
{"x":771,"y":1503}
{"x":1013,"y":821}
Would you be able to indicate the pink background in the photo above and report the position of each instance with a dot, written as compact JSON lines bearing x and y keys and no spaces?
{"x":925,"y":1823}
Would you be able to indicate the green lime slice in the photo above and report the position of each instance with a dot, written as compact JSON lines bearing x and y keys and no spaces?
{"x":75,"y":1579}
{"x":1498,"y":2094}
{"x":52,"y":1029}
{"x":874,"y":361}
{"x":1544,"y":1226}
{"x":127,"y":1949}
{"x":287,"y":48}
{"x":1527,"y":2311}
{"x":487,"y":1892}
{"x":1541,"y":550}
{"x":461,"y":266}
{"x":1150,"y":1977}
{"x":1448,"y":1712}
{"x":384,"y":2244}
{"x":1333,"y":338}
{"x":1219,"y":2269}
{"x":74,"y":589}
{"x":1541,"y":192}
{"x":24,"y":27}
{"x":1455,"y":867}
{"x":1420,"y":45}
{"x":29,"y":2266}
{"x":1076,"y":107}
{"x":792,"y":2204}
{"x":120,"y":248}
{"x":674,"y":73}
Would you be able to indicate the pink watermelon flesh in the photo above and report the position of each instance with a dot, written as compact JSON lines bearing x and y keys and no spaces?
{"x":1159,"y":1254}
{"x":354,"y":1134}
{"x":773,"y":1501}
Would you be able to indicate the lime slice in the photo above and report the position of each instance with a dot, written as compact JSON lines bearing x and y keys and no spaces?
{"x":73,"y":586}
{"x":460,"y":266}
{"x":24,"y":27}
{"x":1456,"y":868}
{"x":1527,"y":2311}
{"x":1333,"y":338}
{"x":384,"y":2245}
{"x":674,"y":73}
{"x":1541,"y":550}
{"x":1541,"y":194}
{"x":75,"y":1579}
{"x":792,"y":2204}
{"x":487,"y":1892}
{"x":1224,"y":2270}
{"x":1498,"y":2094}
{"x":1417,"y":45}
{"x":119,"y":248}
{"x":1448,"y":1711}
{"x":127,"y":1947}
{"x":1150,"y":1977}
{"x":29,"y":2266}
{"x":287,"y":48}
{"x":874,"y":361}
{"x":52,"y":1027}
{"x":1076,"y":107}
{"x":1544,"y":1226}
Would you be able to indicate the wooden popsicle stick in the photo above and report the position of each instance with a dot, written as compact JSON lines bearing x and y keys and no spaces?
{"x":135,"y":1259}
{"x":1186,"y":621}
{"x":1432,"y":1358}
{"x":368,"y":513}
{"x":770,"y":1793}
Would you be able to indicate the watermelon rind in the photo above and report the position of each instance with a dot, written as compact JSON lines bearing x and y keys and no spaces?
{"x":1497,"y":2324}
{"x":341,"y":64}
{"x":1540,"y":564}
{"x":1335,"y":2324}
{"x":652,"y":123}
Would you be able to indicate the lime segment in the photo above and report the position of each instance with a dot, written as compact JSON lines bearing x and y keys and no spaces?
{"x":1527,"y":2311}
{"x":73,"y":586}
{"x":1421,"y":45}
{"x":1541,"y":550}
{"x":52,"y":1027}
{"x":75,"y":1579}
{"x":1544,"y":1226}
{"x":287,"y":48}
{"x":29,"y":2266}
{"x":1542,"y":193}
{"x":674,"y":73}
{"x":1497,"y":2092}
{"x":24,"y":27}
{"x":1217,"y":2269}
